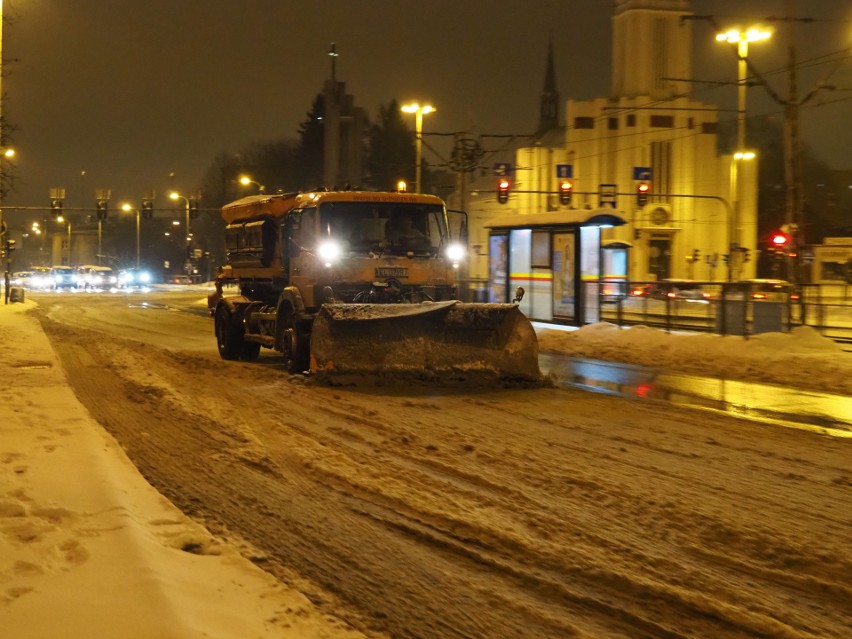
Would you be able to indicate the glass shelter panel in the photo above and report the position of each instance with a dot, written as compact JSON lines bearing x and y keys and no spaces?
{"x":520,"y":265}
{"x":498,"y":268}
{"x":590,"y":272}
{"x":564,"y":285}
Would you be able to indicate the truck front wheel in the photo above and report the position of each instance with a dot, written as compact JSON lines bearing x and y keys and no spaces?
{"x":293,"y":345}
{"x":229,"y":336}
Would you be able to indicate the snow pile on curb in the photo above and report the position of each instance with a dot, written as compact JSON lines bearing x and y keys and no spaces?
{"x":801,"y":358}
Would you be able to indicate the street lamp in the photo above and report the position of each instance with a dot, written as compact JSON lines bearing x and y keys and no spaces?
{"x":742,"y":39}
{"x":245,"y":180}
{"x":127,"y":208}
{"x":174,"y":195}
{"x":419,"y":112}
{"x":6,"y":153}
{"x":735,"y":232}
{"x":61,"y":219}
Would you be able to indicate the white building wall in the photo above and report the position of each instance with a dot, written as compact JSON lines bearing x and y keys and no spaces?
{"x":690,"y":206}
{"x":651,"y":48}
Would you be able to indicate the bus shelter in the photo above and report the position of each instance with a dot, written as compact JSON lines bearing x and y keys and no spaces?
{"x":556,"y":257}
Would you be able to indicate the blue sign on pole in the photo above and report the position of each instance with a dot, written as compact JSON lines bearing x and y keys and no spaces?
{"x":564,"y":170}
{"x":503,"y":169}
{"x":642,"y":173}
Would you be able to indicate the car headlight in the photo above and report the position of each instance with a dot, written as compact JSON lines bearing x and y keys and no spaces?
{"x":455,"y":253}
{"x":329,"y":251}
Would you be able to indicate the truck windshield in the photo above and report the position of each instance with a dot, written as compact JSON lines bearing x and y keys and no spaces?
{"x":384,"y":227}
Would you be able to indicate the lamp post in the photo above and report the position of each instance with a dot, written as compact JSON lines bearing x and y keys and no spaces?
{"x":245,"y":180}
{"x":735,"y":230}
{"x":419,"y":112}
{"x":67,"y":221}
{"x":174,"y":195}
{"x":4,"y":153}
{"x":127,"y":208}
{"x":742,"y":40}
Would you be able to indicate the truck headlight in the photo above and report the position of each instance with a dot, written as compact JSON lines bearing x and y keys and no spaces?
{"x":455,"y":253}
{"x":329,"y":251}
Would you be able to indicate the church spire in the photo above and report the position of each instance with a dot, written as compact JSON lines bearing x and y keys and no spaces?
{"x":548,"y":115}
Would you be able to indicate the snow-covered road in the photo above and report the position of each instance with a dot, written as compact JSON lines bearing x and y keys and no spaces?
{"x":537,"y":513}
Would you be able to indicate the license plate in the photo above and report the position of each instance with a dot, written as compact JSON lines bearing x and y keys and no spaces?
{"x":391,"y":272}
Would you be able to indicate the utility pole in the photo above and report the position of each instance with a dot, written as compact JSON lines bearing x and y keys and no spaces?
{"x":793,"y":160}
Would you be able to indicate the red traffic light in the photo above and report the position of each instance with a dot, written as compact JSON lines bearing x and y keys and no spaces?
{"x":566,"y":188}
{"x":503,"y":185}
{"x":779,"y":239}
{"x":642,"y":190}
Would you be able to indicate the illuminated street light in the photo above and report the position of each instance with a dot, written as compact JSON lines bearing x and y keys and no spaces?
{"x":245,"y":180}
{"x":419,"y":112}
{"x":174,"y":195}
{"x":742,"y":40}
{"x":61,"y":219}
{"x":127,"y":209}
{"x":735,"y":228}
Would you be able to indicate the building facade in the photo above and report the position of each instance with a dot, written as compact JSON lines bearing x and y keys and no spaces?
{"x":698,"y":219}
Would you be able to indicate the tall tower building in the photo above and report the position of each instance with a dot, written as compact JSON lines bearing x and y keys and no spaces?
{"x":343,"y":132}
{"x":548,"y":114}
{"x":652,"y":48}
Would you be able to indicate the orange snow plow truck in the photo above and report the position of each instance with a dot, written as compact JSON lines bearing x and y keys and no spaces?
{"x":358,"y":282}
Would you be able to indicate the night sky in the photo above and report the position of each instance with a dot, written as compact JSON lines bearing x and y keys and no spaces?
{"x":130,"y":91}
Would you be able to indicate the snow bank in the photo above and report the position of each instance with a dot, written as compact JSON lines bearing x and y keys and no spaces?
{"x":801,"y":358}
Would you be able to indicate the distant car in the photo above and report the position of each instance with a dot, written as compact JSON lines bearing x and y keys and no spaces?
{"x":614,"y":290}
{"x":180,"y":279}
{"x":41,"y":279}
{"x":674,"y":289}
{"x":62,"y":277}
{"x":22,"y":278}
{"x":97,"y":278}
{"x":767,"y":290}
{"x":133,"y":278}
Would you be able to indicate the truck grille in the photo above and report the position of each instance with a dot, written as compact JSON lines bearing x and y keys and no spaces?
{"x":391,"y":272}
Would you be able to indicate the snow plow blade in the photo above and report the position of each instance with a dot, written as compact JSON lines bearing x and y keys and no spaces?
{"x":430,"y":341}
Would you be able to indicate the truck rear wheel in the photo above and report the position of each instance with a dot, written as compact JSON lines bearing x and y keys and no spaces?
{"x":229,"y":335}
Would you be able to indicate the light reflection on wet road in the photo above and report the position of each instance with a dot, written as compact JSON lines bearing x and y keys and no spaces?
{"x":819,"y":412}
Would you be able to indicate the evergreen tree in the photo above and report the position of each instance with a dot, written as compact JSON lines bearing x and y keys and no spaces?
{"x":391,"y":152}
{"x":310,"y":149}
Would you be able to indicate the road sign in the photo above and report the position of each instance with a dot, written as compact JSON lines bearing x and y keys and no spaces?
{"x":564,"y":170}
{"x":607,"y":195}
{"x":503,"y":169}
{"x":642,"y":173}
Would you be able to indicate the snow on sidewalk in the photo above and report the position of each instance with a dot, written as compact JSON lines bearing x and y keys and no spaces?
{"x":88,"y":548}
